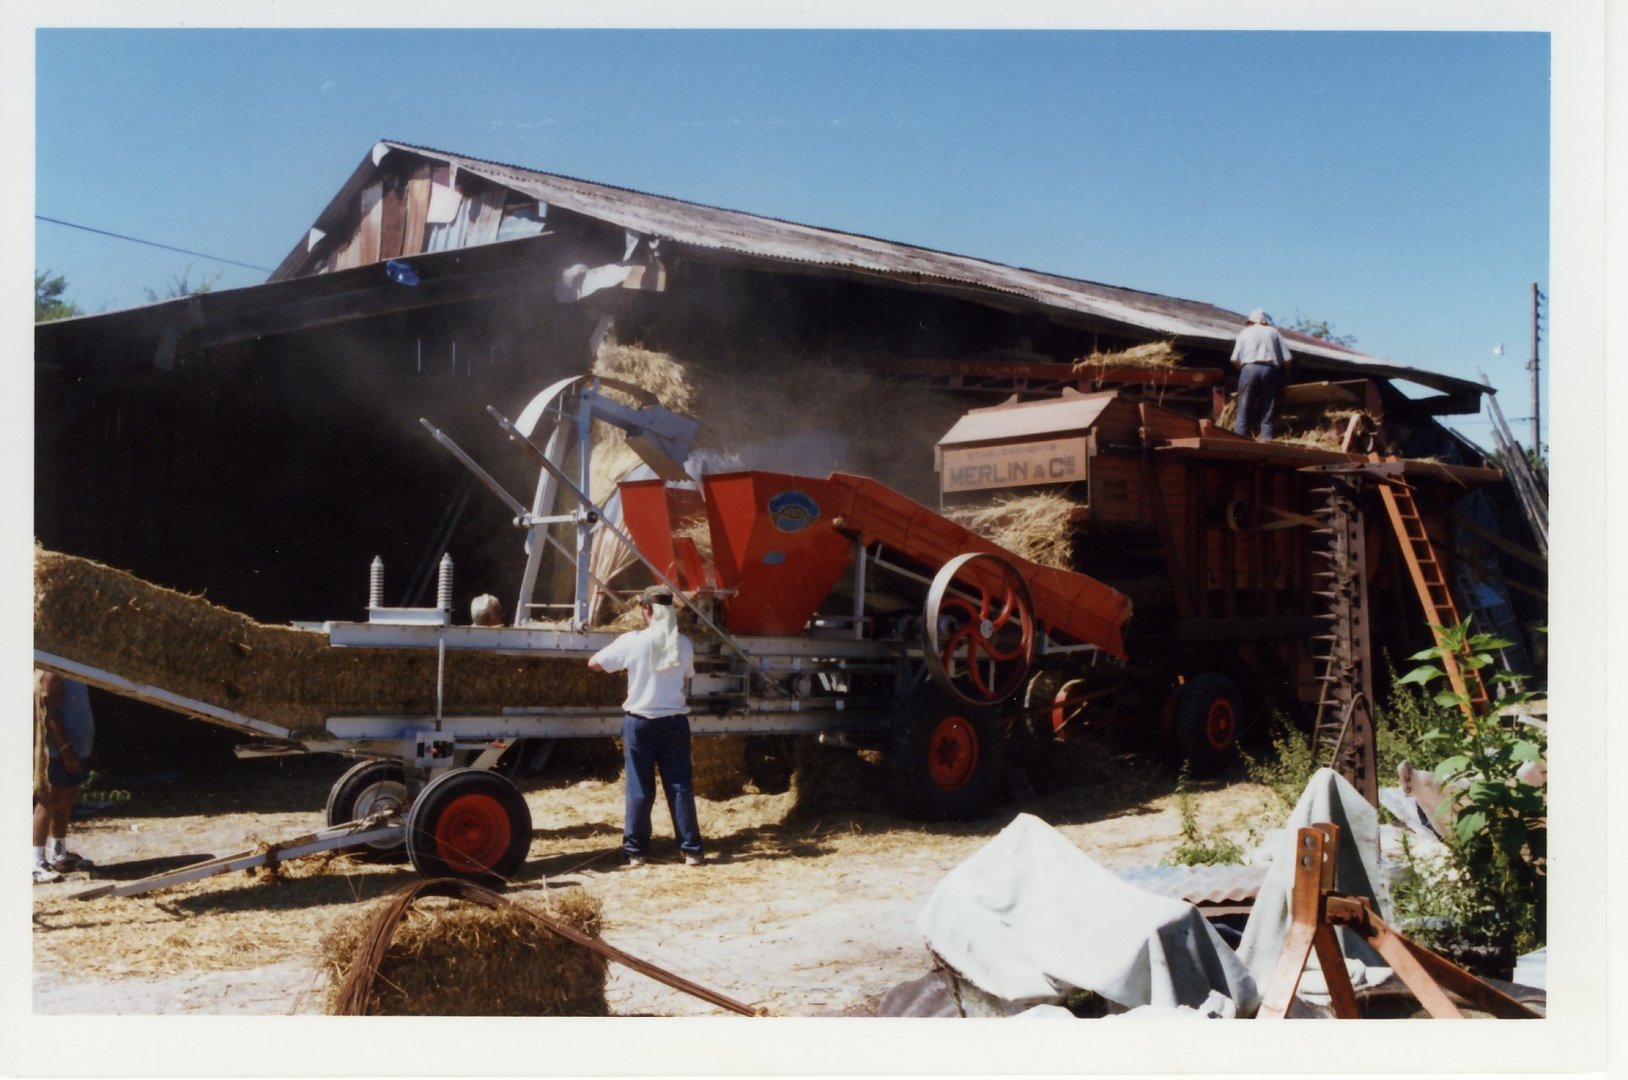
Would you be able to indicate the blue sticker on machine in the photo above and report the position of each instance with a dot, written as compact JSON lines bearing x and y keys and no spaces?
{"x":792,"y":511}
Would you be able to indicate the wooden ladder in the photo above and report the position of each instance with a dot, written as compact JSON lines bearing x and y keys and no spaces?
{"x":1431,"y":583}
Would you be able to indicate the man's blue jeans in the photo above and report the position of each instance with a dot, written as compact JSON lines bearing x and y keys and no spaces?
{"x":1258,"y":387}
{"x":649,"y":743}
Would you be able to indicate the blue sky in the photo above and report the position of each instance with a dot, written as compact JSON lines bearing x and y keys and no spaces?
{"x":1395,"y":184}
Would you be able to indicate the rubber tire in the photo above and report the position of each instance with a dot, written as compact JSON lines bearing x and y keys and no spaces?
{"x":350,"y":788}
{"x":1206,"y":720}
{"x":928,"y":716}
{"x":495,"y":817}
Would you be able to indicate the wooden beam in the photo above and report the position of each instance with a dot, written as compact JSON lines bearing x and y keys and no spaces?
{"x":392,"y":220}
{"x":1250,"y":628}
{"x":1508,"y":547}
{"x":374,"y":301}
{"x":417,"y":199}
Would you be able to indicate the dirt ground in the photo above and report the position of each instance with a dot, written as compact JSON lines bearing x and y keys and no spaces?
{"x":803,"y":910}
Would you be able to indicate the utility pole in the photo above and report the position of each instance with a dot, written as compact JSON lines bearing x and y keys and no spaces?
{"x":1537,"y":426}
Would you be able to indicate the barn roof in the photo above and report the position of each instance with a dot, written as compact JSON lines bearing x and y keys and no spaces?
{"x":306,"y":290}
{"x":698,"y":226}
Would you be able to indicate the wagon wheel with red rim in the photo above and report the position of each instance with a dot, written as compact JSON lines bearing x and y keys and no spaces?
{"x":944,"y":757}
{"x":980,"y":629}
{"x":471,"y":824}
{"x":1207,"y":714}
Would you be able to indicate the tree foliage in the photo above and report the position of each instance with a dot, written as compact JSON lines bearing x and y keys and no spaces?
{"x":1321,"y":329}
{"x":180,"y":286}
{"x":49,"y":300}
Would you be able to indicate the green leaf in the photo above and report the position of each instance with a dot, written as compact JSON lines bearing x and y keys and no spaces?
{"x":1476,"y":661}
{"x":1525,"y":751}
{"x":1427,"y":654}
{"x":1467,"y":826}
{"x":1528,"y":800}
{"x":1487,"y":641}
{"x":1420,"y":675}
{"x":1449,"y":699}
{"x":1486,"y":793}
{"x":1457,"y":765}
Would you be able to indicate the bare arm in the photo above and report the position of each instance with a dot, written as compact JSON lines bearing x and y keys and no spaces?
{"x":51,"y":687}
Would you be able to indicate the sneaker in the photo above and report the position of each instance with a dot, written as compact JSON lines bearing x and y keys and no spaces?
{"x":68,"y":862}
{"x":691,"y":859}
{"x":44,"y":875}
{"x":635,"y":860}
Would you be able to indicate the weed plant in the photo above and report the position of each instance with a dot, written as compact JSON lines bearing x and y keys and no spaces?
{"x":1197,"y":847}
{"x":1288,"y":767}
{"x":1492,"y":886}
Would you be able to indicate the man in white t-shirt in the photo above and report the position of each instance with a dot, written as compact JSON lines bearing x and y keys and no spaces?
{"x":656,"y":730}
{"x":1262,"y":360}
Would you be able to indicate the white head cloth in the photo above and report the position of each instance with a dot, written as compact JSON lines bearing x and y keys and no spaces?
{"x":663,"y":637}
{"x":1259,"y":315}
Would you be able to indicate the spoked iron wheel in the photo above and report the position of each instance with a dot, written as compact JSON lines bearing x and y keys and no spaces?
{"x":980,"y":629}
{"x":367,"y":788}
{"x":470,"y":824}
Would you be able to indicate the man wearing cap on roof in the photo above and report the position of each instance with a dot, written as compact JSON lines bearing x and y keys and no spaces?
{"x":656,"y":730}
{"x":1262,"y":360}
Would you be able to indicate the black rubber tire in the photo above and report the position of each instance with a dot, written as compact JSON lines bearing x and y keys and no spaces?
{"x":1207,"y":718}
{"x":944,"y":759}
{"x":354,"y":796}
{"x":471,"y":824}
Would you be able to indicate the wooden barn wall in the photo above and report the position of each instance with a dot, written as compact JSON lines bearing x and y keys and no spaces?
{"x":268,"y":476}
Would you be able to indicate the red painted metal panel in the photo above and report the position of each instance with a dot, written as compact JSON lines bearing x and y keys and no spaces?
{"x":653,"y":512}
{"x":774,"y":544}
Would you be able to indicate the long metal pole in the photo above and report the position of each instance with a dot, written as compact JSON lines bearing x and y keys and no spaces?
{"x":1537,"y":437}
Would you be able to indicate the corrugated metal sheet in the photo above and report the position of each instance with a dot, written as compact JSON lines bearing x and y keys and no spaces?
{"x":1029,"y":420}
{"x":707,"y":227}
{"x":1197,"y":884}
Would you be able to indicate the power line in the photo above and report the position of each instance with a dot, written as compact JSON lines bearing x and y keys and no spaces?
{"x":151,"y":243}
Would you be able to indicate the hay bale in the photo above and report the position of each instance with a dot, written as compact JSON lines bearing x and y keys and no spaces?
{"x":453,"y":958}
{"x":719,"y":765}
{"x":109,"y":619}
{"x":1155,"y":355}
{"x":809,"y":415}
{"x":1035,"y":527}
{"x":833,"y":780}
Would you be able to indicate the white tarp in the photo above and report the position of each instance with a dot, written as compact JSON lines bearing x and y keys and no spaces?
{"x":1328,"y":797}
{"x":1030,"y":918}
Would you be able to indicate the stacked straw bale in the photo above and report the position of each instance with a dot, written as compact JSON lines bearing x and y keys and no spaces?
{"x":455,"y":958}
{"x":112,"y":620}
{"x":719,"y":765}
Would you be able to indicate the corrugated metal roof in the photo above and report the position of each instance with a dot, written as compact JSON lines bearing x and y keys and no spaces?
{"x":1029,"y":420}
{"x":707,"y":227}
